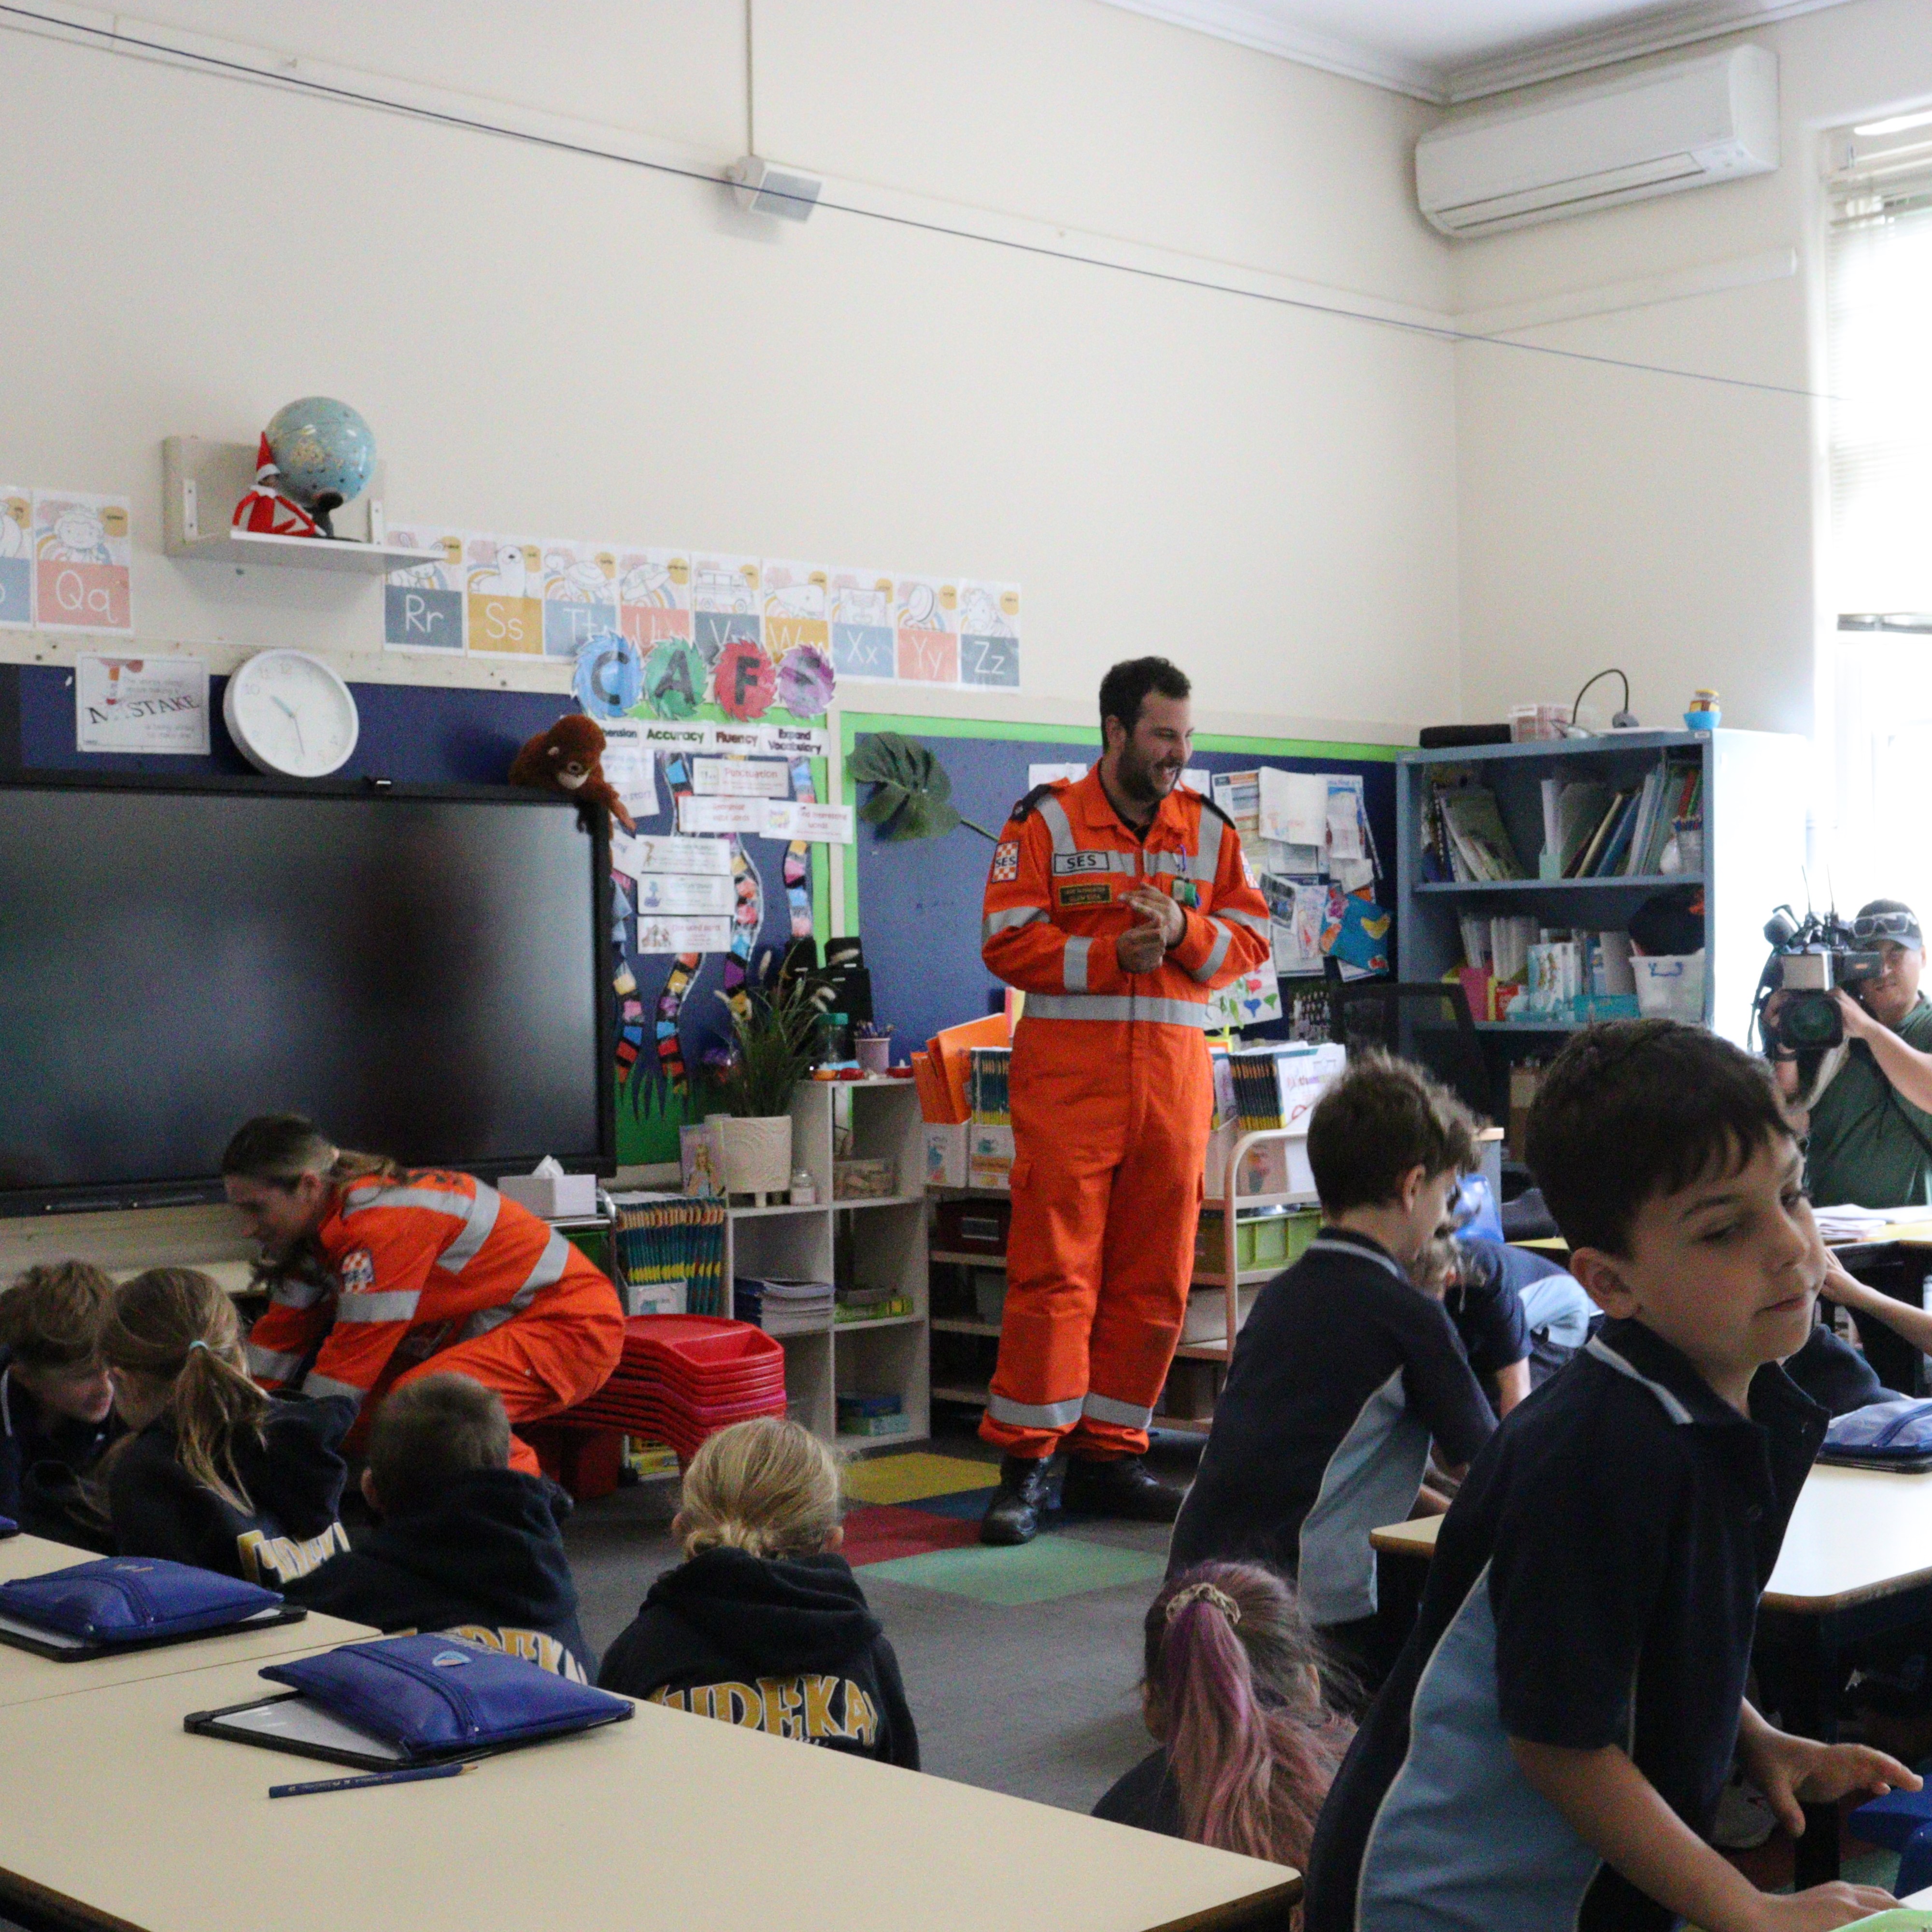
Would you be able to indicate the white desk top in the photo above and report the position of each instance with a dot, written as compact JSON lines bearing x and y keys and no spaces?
{"x":1855,"y":1534}
{"x":25,"y":1679}
{"x":667,"y":1823}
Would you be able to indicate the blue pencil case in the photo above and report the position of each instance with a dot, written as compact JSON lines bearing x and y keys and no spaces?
{"x":1895,"y":1434}
{"x":8,"y":1527}
{"x":434,"y":1697}
{"x":126,"y":1602}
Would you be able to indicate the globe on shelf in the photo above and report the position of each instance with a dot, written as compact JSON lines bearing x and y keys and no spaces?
{"x":326,"y":453}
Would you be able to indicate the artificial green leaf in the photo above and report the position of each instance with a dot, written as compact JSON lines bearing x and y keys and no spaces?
{"x":910,"y":789}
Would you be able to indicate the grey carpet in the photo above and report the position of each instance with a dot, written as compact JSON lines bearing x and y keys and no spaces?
{"x":1041,"y":1700}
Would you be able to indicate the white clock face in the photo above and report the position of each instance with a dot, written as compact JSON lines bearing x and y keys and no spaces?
{"x":290,"y":714}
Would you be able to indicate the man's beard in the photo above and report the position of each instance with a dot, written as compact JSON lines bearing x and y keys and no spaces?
{"x":1136,"y":777}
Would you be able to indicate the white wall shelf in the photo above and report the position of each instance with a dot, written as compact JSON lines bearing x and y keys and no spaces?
{"x":203,"y":482}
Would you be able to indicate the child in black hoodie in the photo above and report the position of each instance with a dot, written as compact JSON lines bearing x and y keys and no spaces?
{"x":467,"y":1544}
{"x":214,"y":1472}
{"x":764,"y":1624}
{"x":56,"y":1402}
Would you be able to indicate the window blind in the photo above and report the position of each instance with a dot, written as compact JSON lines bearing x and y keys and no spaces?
{"x":1880,"y":310}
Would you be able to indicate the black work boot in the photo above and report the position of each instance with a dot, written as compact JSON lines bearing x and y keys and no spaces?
{"x":1013,"y":1515}
{"x":1123,"y":1487}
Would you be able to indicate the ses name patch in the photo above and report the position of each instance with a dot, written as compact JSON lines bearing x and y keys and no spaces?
{"x":1089,"y":893}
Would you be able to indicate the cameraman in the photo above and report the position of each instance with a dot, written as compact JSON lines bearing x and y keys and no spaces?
{"x":1871,"y":1128}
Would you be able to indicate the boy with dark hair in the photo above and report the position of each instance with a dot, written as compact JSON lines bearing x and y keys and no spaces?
{"x":467,"y":1544}
{"x":1345,"y":1370}
{"x":56,"y":1402}
{"x":1551,"y":1746}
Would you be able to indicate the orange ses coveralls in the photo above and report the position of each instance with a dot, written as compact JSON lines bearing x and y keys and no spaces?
{"x":438,"y":1273}
{"x":1112,"y":1098}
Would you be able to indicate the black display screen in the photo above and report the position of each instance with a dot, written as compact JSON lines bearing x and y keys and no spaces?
{"x":423,"y":976}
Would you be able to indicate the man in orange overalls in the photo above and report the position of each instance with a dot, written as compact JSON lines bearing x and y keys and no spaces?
{"x":1116,"y":904}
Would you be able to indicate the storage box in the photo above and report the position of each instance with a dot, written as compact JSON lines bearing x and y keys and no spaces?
{"x":1188,"y":1396}
{"x":863,"y":1180}
{"x":1274,"y":1167}
{"x":946,"y":1152}
{"x":1272,"y":1239}
{"x":1207,"y":1318}
{"x":655,"y":1298}
{"x":556,"y":1197}
{"x":973,"y":1227}
{"x":990,"y":1156}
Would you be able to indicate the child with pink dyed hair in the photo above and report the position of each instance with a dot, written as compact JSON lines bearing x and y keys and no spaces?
{"x":1233,"y":1696}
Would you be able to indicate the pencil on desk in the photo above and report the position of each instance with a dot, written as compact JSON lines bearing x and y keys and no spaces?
{"x":415,"y":1775}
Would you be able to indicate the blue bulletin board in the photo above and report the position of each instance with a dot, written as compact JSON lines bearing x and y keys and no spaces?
{"x":917,"y":906}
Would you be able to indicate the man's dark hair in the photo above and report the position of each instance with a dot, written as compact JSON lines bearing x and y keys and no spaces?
{"x":1124,"y":688}
{"x":1632,"y":1109}
{"x":428,"y":1433}
{"x":1382,"y":1117}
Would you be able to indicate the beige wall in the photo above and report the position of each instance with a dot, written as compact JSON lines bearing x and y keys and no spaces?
{"x":567,"y":346}
{"x":1671,"y":527}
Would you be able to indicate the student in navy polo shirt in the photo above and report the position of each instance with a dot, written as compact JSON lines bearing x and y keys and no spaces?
{"x":1550,"y":1747}
{"x":1345,"y":1369}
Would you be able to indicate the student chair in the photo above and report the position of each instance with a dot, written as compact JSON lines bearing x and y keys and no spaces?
{"x":1430,"y":1024}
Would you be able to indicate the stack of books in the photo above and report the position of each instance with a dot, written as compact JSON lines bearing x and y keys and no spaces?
{"x":1277,"y":1087}
{"x":871,"y":1304}
{"x":664,"y":1239}
{"x":1592,"y":832}
{"x":986,"y":1089}
{"x":781,"y":1306}
{"x":1478,"y":848}
{"x":862,"y":1414}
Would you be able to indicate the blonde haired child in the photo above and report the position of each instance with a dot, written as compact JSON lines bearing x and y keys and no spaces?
{"x":56,"y":1404}
{"x":214,"y":1471}
{"x":763,"y":1624}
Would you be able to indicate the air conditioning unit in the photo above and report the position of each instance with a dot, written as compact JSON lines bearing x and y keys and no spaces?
{"x":1659,"y":132}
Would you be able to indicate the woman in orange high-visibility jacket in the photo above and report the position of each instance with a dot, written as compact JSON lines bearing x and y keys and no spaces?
{"x":380,"y":1274}
{"x":1117,"y":903}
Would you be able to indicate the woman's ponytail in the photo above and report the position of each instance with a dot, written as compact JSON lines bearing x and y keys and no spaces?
{"x":177,"y":1325}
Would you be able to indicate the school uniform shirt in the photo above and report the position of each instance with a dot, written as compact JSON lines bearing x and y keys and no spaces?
{"x":292,"y":1476}
{"x":1596,"y":1582}
{"x":1483,"y":1303}
{"x":1834,"y":1374}
{"x":485,"y":1561}
{"x":31,"y":1434}
{"x":1343,"y":1374}
{"x":1557,"y":1312}
{"x":784,"y":1645}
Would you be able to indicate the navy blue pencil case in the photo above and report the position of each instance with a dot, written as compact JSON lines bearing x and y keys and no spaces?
{"x":440,"y":1697}
{"x":8,"y":1527}
{"x":122,"y":1603}
{"x":1893,"y":1435}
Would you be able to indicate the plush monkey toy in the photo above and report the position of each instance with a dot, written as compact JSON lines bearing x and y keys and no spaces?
{"x":567,"y":759}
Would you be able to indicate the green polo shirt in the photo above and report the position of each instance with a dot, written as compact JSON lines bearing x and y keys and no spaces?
{"x":1862,"y":1151}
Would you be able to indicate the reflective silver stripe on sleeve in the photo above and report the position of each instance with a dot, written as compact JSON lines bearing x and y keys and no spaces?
{"x":484,"y":1320}
{"x":1013,"y":916}
{"x":1218,"y":951}
{"x":393,"y":1304}
{"x":1033,"y":1414}
{"x":319,"y":1385}
{"x":1116,"y":1007}
{"x":476,"y":1231}
{"x":547,"y":1272}
{"x":1207,"y":859}
{"x":438,"y":1200}
{"x":267,"y":1365}
{"x":1254,"y":922}
{"x":1073,"y":966}
{"x":1125,"y":1414}
{"x":297,"y":1291}
{"x":1053,"y":816}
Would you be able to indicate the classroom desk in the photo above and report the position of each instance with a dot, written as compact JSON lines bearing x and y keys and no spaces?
{"x":668,"y":1823}
{"x":1856,"y":1563}
{"x":25,"y":1679}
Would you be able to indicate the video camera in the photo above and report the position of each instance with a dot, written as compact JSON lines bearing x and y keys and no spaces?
{"x":1810,"y":958}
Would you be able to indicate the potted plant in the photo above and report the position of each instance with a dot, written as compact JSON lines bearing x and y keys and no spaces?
{"x":774,"y":1036}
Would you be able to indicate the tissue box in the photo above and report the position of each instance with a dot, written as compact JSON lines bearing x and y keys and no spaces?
{"x":556,"y":1197}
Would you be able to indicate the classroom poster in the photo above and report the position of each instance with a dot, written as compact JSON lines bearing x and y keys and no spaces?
{"x":578,"y":584}
{"x":653,"y":595}
{"x":630,"y":768}
{"x":423,"y":603}
{"x":925,"y":616}
{"x":503,"y":576}
{"x":860,"y":604}
{"x":669,"y":932}
{"x":795,"y":607}
{"x":16,"y":564}
{"x":724,"y":604}
{"x":740,"y":777}
{"x":989,"y":635}
{"x":152,"y":704}
{"x":81,"y":553}
{"x":745,"y":681}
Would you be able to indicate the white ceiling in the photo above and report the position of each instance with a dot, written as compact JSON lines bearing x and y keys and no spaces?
{"x":1450,"y":50}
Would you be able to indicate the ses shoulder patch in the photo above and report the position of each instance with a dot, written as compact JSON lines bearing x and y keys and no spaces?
{"x":1006,"y":861}
{"x":357,"y":1271}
